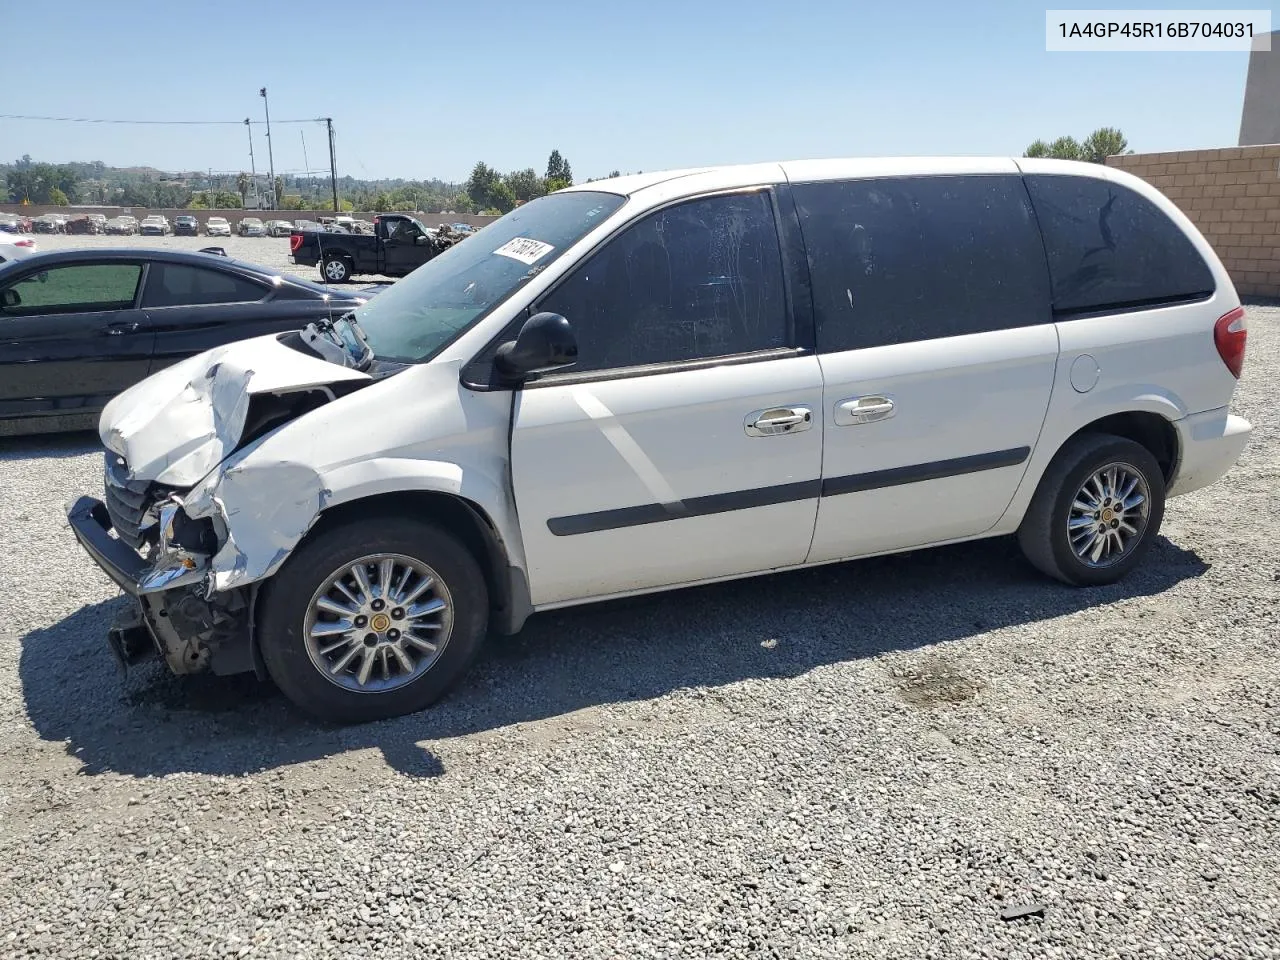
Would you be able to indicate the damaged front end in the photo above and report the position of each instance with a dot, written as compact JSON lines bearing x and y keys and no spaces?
{"x":161,"y":531}
{"x":176,"y":615}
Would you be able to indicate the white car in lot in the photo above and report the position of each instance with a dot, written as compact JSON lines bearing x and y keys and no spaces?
{"x":217,"y":227}
{"x":671,"y":379}
{"x":16,"y":247}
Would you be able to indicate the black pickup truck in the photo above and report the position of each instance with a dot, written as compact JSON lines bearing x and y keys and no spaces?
{"x":398,"y":245}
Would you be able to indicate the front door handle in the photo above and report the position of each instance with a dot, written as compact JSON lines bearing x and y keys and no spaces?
{"x":859,"y":410}
{"x":776,"y":421}
{"x":121,"y":327}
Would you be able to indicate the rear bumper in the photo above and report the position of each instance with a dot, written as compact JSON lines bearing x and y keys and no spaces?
{"x":1209,"y":444}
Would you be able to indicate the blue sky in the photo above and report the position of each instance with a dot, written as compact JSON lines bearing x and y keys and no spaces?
{"x":420,"y":89}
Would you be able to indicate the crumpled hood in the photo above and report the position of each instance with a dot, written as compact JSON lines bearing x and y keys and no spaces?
{"x":178,"y":424}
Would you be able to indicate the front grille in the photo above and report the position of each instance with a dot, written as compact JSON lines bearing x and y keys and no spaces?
{"x":127,"y":501}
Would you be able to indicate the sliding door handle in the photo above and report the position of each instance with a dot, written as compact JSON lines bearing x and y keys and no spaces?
{"x":859,"y":410}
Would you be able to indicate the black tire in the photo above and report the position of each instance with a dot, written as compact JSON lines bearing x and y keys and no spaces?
{"x":1043,"y":533}
{"x":285,"y":598}
{"x":340,"y":264}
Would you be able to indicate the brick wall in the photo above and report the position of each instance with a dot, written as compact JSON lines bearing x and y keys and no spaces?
{"x":1233,"y":196}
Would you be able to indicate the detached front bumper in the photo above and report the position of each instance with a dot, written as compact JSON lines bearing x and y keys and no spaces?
{"x":173,"y":616}
{"x":91,"y":524}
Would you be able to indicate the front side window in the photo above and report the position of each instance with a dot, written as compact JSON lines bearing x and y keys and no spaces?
{"x":420,"y":314}
{"x":178,"y":285}
{"x":75,"y":288}
{"x":901,"y":259}
{"x":698,"y":280}
{"x":1112,"y":248}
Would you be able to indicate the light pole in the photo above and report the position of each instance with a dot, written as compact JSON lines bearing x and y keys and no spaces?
{"x":271,"y":190}
{"x":253,"y":169}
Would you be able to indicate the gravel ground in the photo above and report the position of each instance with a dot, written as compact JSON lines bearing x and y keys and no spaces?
{"x":870,"y":759}
{"x":269,"y":251}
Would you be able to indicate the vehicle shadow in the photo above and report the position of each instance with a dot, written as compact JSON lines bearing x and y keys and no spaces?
{"x":770,"y":627}
{"x":48,"y":445}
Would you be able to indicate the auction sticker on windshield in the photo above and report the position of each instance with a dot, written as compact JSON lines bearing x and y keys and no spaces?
{"x":524,"y":250}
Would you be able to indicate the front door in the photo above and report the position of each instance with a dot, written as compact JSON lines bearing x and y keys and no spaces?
{"x":686,"y":443}
{"x":401,"y":251}
{"x":71,"y":338}
{"x":938,"y":354}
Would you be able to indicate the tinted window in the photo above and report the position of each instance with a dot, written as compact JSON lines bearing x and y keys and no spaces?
{"x":177,"y":285}
{"x":77,"y":288}
{"x":915,"y":258}
{"x":701,"y":279}
{"x":1111,"y":247}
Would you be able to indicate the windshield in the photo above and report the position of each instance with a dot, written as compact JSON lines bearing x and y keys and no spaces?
{"x":421,"y":313}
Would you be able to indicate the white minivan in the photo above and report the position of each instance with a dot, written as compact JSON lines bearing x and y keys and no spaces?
{"x":664,"y":380}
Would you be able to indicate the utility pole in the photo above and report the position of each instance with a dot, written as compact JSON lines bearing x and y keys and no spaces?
{"x":333,"y":165}
{"x":253,"y":170}
{"x":271,"y":191}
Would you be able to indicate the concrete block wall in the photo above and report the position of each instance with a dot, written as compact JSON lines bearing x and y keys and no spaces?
{"x":1232,"y":195}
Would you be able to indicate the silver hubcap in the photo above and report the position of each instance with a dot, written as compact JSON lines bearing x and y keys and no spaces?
{"x":335,"y":270}
{"x":378,"y":623}
{"x":1109,"y":515}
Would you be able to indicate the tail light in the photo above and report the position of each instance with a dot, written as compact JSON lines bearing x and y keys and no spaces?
{"x":1229,"y":335}
{"x":295,"y":241}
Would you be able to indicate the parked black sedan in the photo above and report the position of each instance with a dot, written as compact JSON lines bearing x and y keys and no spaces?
{"x":78,"y":326}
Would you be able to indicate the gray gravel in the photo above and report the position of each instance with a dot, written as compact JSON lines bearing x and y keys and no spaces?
{"x":871,"y":759}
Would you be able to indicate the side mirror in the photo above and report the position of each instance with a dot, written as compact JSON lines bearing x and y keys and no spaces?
{"x":545,"y":342}
{"x":10,"y":298}
{"x":420,"y":239}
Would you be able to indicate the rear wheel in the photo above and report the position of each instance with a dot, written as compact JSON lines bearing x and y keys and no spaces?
{"x":373,"y":619}
{"x":336,"y":269}
{"x":1096,"y":512}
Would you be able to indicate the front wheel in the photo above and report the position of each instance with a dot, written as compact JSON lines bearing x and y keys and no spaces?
{"x":373,"y":619}
{"x":1096,"y":512}
{"x":336,"y":270}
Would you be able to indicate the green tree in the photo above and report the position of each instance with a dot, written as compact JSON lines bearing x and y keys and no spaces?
{"x":557,"y":183}
{"x":57,"y":197}
{"x":1065,"y":148}
{"x":279,"y":191}
{"x":502,"y":197}
{"x":555,"y":166}
{"x":381,"y":203}
{"x":1102,"y":143}
{"x":526,"y":184}
{"x":487,"y":189}
{"x":242,"y":185}
{"x":1038,"y":148}
{"x":226,"y":200}
{"x":199,"y":201}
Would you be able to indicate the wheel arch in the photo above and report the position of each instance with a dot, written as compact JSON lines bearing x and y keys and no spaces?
{"x":1150,"y":430}
{"x":463,"y":518}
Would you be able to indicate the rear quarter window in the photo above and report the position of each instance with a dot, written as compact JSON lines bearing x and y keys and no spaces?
{"x":1111,"y":248}
{"x":901,"y":259}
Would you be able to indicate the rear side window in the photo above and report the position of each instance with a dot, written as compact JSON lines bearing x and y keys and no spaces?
{"x":77,"y":288}
{"x":697,"y":280}
{"x":177,"y":285}
{"x":1111,"y":248}
{"x":899,"y":259}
